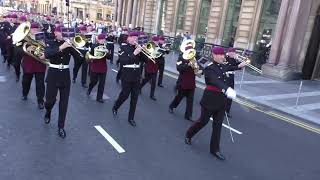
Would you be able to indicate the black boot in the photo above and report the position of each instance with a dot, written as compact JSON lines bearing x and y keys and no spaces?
{"x":47,"y":117}
{"x":62,"y":133}
{"x":114,"y":111}
{"x":24,"y":98}
{"x":40,"y":105}
{"x":219,"y":156}
{"x":132,"y":123}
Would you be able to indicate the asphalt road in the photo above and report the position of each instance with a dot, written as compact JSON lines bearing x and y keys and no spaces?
{"x":265,"y":148}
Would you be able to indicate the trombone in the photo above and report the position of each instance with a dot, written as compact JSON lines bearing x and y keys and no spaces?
{"x":77,"y":42}
{"x":146,"y":52}
{"x":247,"y":62}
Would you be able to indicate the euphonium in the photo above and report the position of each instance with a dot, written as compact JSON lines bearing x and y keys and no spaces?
{"x":99,"y":53}
{"x":189,"y":53}
{"x":23,"y":33}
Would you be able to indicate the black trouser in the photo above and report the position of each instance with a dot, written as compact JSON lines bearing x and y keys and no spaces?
{"x":152,"y":77}
{"x":40,"y":87}
{"x":218,"y":117}
{"x":229,"y":101}
{"x":9,"y":55}
{"x":188,"y":93}
{"x":94,"y":79}
{"x":84,"y":71}
{"x":51,"y":94}
{"x":161,"y":70}
{"x":3,"y":51}
{"x":18,"y":52}
{"x":119,"y":74}
{"x":111,"y":47}
{"x":128,"y":88}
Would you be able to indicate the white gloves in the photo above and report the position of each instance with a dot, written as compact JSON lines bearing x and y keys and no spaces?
{"x":231,"y":94}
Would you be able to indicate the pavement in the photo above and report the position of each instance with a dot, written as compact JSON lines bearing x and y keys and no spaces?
{"x":271,"y":94}
{"x":101,"y":147}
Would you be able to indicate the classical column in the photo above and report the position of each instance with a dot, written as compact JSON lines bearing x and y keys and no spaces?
{"x":279,"y":32}
{"x":139,"y":9}
{"x":134,"y":13}
{"x":119,"y":7}
{"x":129,"y":13}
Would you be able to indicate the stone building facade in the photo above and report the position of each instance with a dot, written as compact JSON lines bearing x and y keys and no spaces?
{"x":246,"y":24}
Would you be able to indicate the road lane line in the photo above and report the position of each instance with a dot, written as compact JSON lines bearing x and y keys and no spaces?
{"x":228,"y":127}
{"x":114,"y":70}
{"x":292,"y":121}
{"x":110,"y":139}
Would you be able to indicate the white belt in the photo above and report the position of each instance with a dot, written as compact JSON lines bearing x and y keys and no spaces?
{"x":59,"y":66}
{"x":131,"y":66}
{"x":110,"y":42}
{"x":230,"y":72}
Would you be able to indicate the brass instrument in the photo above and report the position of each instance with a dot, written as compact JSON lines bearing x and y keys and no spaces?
{"x":154,"y":49}
{"x":190,"y":54}
{"x":247,"y":62}
{"x":99,"y":52}
{"x":146,"y":52}
{"x":23,"y":33}
{"x":77,"y":42}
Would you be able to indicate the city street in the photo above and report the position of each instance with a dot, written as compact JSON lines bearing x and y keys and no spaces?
{"x":101,"y":147}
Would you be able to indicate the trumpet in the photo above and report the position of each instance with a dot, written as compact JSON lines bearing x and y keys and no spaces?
{"x":247,"y":61}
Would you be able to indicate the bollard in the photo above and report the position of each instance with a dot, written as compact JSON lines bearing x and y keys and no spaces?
{"x":242,"y":77}
{"x":298,"y":95}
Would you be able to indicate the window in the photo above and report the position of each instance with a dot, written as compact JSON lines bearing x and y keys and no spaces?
{"x":231,"y":23}
{"x":181,"y":14}
{"x":203,"y":20}
{"x":99,"y":14}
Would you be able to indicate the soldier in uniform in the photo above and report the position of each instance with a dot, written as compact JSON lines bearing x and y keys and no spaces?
{"x":31,"y":67}
{"x":213,"y":101}
{"x":58,"y":77}
{"x":18,"y":53}
{"x":98,"y":69}
{"x":10,"y":47}
{"x":84,"y":64}
{"x":161,"y":61}
{"x":123,"y":42}
{"x":231,"y":61}
{"x":4,"y":25}
{"x":110,"y":45}
{"x":130,"y":77}
{"x":185,"y":86}
{"x":151,"y":70}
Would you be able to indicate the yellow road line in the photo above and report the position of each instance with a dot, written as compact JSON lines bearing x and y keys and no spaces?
{"x":276,"y":115}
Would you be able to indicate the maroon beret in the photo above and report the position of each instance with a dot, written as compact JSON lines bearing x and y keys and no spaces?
{"x":133,"y":33}
{"x":48,"y":18}
{"x":34,"y":25}
{"x":232,"y":50}
{"x":218,"y":50}
{"x":101,"y":36}
{"x":57,"y":22}
{"x":161,"y":38}
{"x":23,"y":18}
{"x":82,"y":28}
{"x":155,"y":38}
{"x":14,"y":16}
{"x":58,"y":28}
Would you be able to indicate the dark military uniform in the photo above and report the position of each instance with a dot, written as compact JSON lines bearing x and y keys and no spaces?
{"x":151,"y":71}
{"x":98,"y":72}
{"x":18,"y":54}
{"x":83,"y":65}
{"x":119,"y":63}
{"x":230,"y":79}
{"x":31,"y":67}
{"x":213,"y":103}
{"x":186,"y":85}
{"x":161,"y":64}
{"x":110,"y":46}
{"x":58,"y":79}
{"x":4,"y":29}
{"x":130,"y":79}
{"x":10,"y":46}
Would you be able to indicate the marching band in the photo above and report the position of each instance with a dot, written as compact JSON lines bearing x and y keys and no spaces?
{"x":91,"y":50}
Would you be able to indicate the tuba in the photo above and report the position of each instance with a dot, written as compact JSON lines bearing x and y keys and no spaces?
{"x":99,"y":52}
{"x":23,"y":33}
